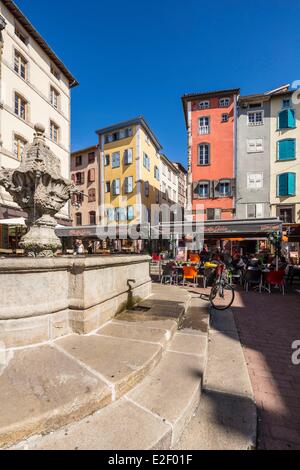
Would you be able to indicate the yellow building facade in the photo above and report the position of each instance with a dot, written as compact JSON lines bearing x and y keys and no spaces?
{"x":129,"y":172}
{"x":285,"y":158}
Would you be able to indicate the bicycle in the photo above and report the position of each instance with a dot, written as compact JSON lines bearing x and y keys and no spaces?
{"x":222,"y":294}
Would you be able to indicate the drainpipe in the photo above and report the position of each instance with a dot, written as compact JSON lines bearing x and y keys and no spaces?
{"x":2,"y":27}
{"x":190,"y":176}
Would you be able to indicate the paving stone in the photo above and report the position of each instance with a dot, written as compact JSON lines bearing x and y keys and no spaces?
{"x":122,"y":362}
{"x":121,"y":426}
{"x":42,"y":389}
{"x":188,"y":343}
{"x":172,"y":390}
{"x":136,"y":332}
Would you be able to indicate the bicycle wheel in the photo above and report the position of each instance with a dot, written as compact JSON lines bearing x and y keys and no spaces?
{"x":222,"y":296}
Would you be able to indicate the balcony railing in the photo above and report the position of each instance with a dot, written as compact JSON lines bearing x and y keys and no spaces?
{"x":204,"y":130}
{"x":255,"y":123}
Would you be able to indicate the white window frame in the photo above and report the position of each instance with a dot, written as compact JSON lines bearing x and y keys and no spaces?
{"x":256,"y":147}
{"x":206,"y":184}
{"x":223,"y":182}
{"x":54,"y":132}
{"x":205,"y":145}
{"x":256,"y":122}
{"x":204,"y":129}
{"x":224,"y":102}
{"x":20,"y":106}
{"x":225,"y":117}
{"x":204,"y":104}
{"x":19,"y":145}
{"x":54,"y":97}
{"x":255,"y":185}
{"x":259,"y":214}
{"x":20,"y":65}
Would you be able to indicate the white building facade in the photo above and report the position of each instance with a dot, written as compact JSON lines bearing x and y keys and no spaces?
{"x":35,"y":88}
{"x":168,"y":181}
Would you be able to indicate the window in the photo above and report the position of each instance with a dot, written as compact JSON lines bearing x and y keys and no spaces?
{"x":130,"y":213}
{"x":254,"y":211}
{"x":255,"y":145}
{"x":146,"y":188}
{"x":54,"y":97}
{"x":286,"y":149}
{"x":20,"y":106}
{"x":107,"y":187}
{"x":213,"y":214}
{"x":157,"y":196}
{"x":224,"y":102}
{"x":203,"y":189}
{"x":224,"y":188}
{"x":20,"y":65}
{"x":255,"y":180}
{"x":106,"y":160}
{"x":286,"y":119}
{"x":146,"y":162}
{"x":225,"y":117}
{"x":78,"y":160}
{"x":92,"y":195}
{"x":204,"y":125}
{"x":204,"y":154}
{"x":19,"y":147}
{"x":286,"y":214}
{"x":156,"y":173}
{"x":255,"y":118}
{"x":77,"y":199}
{"x":21,"y":35}
{"x":116,"y":159}
{"x":55,"y":72}
{"x":204,"y":105}
{"x":255,"y":105}
{"x":92,"y":218}
{"x":286,"y":103}
{"x":116,"y":187}
{"x":91,"y":175}
{"x":286,"y":184}
{"x":54,"y":132}
{"x":79,"y":178}
{"x":123,"y":134}
{"x":128,"y":184}
{"x":78,"y":219}
{"x":110,"y":215}
{"x":120,"y":214}
{"x":128,"y":156}
{"x":91,"y":157}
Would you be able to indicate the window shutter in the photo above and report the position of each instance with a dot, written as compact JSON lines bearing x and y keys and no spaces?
{"x":216,"y":189}
{"x":114,"y":187}
{"x":286,"y":149}
{"x":259,"y":211}
{"x":291,"y":118}
{"x":232,"y":188}
{"x":291,"y":183}
{"x":129,"y":156}
{"x":130,"y":213}
{"x":283,"y":119}
{"x":195,"y":190}
{"x":251,"y":211}
{"x":283,"y":184}
{"x":82,"y":178}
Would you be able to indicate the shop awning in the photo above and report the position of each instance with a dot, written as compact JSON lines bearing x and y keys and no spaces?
{"x":102,"y":232}
{"x":20,"y":221}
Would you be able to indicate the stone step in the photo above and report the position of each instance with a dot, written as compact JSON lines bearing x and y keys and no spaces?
{"x":49,"y":386}
{"x":151,"y":416}
{"x":226,"y":418}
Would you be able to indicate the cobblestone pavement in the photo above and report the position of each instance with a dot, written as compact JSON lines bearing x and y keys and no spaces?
{"x":268,"y":325}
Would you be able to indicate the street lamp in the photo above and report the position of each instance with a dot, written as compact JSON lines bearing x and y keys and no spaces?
{"x":2,"y":23}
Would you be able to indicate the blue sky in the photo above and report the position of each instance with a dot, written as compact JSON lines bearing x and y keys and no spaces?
{"x":140,"y":57}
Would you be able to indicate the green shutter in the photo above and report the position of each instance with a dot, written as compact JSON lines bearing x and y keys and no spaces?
{"x":291,"y":184}
{"x":291,"y":118}
{"x":287,"y":149}
{"x":282,"y":189}
{"x":283,"y":119}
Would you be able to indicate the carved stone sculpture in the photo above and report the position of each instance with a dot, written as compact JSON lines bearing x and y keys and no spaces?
{"x":39,"y":189}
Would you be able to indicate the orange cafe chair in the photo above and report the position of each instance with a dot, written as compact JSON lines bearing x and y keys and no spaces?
{"x":194,"y":258}
{"x":189,"y":274}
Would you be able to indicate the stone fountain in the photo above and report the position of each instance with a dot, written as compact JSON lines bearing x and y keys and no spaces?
{"x":38,"y":187}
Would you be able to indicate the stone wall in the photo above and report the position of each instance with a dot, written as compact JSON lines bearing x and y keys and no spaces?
{"x":42,"y":299}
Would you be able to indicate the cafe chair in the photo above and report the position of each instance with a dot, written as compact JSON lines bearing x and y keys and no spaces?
{"x":276,"y":278}
{"x":190,"y":274}
{"x":253,"y":277}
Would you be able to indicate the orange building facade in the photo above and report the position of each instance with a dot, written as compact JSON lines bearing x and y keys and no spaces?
{"x":211,"y":120}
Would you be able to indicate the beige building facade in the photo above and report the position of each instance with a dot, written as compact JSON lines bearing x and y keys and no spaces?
{"x":85,"y":175}
{"x":285,"y":156}
{"x":35,"y":86}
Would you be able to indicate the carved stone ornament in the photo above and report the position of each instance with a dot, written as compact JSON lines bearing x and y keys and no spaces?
{"x":39,"y":189}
